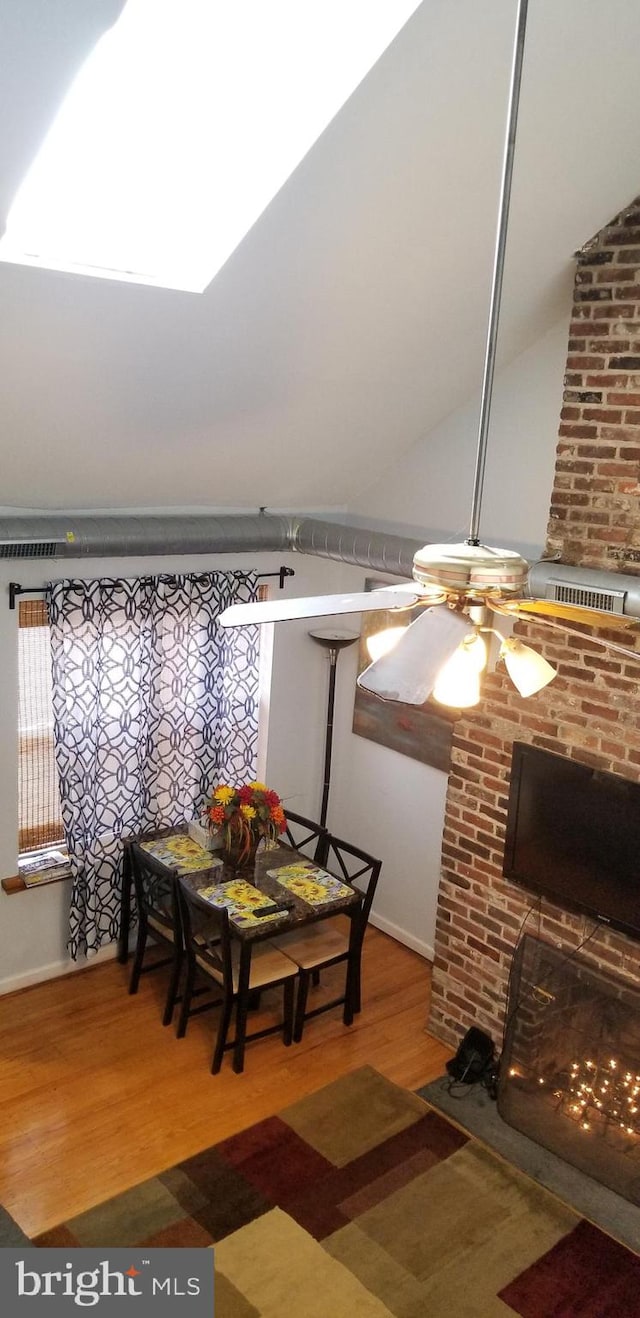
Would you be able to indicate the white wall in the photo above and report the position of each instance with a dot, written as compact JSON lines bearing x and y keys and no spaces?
{"x":431,"y":486}
{"x":33,"y":924}
{"x":394,"y":807}
{"x":384,"y":801}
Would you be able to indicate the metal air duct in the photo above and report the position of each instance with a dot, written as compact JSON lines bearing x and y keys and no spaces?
{"x":591,"y":588}
{"x":94,"y":536}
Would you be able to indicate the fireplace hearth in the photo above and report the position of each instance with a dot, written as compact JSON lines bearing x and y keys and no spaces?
{"x":570,"y":1070}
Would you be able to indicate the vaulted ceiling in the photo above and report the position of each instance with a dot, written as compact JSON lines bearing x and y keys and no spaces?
{"x":351,"y":318}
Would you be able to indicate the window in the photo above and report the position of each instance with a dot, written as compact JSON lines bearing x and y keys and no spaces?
{"x":39,"y":816}
{"x":181,"y":126}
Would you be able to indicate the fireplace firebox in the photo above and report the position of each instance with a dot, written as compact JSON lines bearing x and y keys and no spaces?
{"x":570,"y":1069}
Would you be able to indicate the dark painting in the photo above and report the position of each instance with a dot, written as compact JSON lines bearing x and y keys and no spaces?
{"x":423,"y":732}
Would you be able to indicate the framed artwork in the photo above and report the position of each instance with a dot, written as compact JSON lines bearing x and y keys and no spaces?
{"x":423,"y":732}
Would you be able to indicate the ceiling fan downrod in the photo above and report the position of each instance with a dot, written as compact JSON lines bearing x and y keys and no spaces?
{"x":471,"y":567}
{"x":498,"y":271}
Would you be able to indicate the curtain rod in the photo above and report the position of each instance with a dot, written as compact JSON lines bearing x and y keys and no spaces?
{"x":16,"y":589}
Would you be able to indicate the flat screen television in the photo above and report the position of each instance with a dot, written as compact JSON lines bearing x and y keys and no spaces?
{"x":573,"y":834}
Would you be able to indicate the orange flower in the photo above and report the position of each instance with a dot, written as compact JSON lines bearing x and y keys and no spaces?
{"x":277,"y":815}
{"x":246,"y":813}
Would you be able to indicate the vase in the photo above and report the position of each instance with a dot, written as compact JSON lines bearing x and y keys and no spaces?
{"x":242,"y":863}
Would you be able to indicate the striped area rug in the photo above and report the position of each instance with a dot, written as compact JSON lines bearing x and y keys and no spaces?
{"x":360,"y":1200}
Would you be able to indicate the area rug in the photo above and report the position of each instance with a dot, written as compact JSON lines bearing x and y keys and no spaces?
{"x":471,"y":1107}
{"x":362,"y":1200}
{"x":11,"y":1235}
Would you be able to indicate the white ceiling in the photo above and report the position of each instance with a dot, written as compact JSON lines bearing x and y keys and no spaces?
{"x":351,"y":319}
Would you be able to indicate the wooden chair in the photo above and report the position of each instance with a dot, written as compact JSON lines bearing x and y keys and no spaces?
{"x":306,"y":836}
{"x":159,"y":917}
{"x":237,"y":969}
{"x":320,"y":945}
{"x":311,"y":839}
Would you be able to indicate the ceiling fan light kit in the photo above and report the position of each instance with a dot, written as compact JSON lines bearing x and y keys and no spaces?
{"x":409,"y":671}
{"x":528,"y":670}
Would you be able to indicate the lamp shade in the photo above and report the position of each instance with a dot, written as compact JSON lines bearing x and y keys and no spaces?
{"x":380,"y":643}
{"x":408,"y":672}
{"x":527,"y":669}
{"x":458,"y":682}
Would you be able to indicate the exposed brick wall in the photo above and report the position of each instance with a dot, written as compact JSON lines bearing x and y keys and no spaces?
{"x":590,"y":712}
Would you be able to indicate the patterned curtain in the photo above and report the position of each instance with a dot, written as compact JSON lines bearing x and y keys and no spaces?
{"x":153,"y":703}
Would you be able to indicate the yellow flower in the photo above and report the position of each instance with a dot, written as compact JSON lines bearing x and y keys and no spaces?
{"x":223,"y":794}
{"x":258,"y":787}
{"x":248,"y":811}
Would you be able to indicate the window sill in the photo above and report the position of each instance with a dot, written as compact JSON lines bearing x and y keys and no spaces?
{"x":17,"y":884}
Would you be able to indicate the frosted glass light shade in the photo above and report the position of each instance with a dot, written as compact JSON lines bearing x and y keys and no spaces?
{"x":409,"y":671}
{"x":458,"y":682}
{"x":527,"y":669}
{"x":382,"y":642}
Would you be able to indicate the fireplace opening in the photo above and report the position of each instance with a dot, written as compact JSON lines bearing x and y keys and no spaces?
{"x":570,"y":1068}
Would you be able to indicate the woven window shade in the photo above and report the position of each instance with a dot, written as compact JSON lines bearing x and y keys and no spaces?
{"x":39,"y":818}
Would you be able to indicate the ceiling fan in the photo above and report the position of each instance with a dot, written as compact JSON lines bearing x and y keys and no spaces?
{"x":442,"y":653}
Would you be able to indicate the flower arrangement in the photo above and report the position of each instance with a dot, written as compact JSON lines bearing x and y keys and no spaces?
{"x":244,"y":815}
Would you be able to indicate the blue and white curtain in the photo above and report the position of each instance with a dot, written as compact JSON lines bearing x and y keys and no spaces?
{"x":153,"y":703}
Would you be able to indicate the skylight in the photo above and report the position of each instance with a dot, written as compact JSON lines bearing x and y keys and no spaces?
{"x":183,"y":123}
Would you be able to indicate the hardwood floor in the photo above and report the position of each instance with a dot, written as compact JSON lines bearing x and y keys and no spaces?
{"x":95,"y":1095}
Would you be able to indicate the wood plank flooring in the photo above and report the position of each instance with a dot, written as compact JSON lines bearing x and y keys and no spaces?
{"x":95,"y":1095}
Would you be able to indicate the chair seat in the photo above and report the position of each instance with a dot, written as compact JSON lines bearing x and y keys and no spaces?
{"x":268,"y":966}
{"x":313,"y":947}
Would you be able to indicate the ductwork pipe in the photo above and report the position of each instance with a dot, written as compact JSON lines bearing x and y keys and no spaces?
{"x":132,"y":536}
{"x":350,"y":544}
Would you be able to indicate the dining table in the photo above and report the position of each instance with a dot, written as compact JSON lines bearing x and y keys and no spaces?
{"x":296,"y":911}
{"x":279,"y":870}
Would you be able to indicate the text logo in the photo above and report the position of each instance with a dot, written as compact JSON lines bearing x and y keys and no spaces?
{"x":55,"y":1282}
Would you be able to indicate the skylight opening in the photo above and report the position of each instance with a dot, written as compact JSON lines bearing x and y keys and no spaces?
{"x":182,"y":124}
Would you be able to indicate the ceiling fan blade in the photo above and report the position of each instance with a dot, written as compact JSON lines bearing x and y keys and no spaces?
{"x":414,"y":592}
{"x":568,"y":612}
{"x":408,"y":672}
{"x":317,"y":606}
{"x":596,"y":640}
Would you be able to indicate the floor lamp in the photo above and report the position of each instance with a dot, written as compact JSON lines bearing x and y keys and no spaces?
{"x":333,"y":642}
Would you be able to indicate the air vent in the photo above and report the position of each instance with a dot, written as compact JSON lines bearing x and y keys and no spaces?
{"x":30,"y":548}
{"x":607,"y":601}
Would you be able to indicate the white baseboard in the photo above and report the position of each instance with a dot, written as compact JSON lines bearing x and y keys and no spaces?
{"x":401,"y":936}
{"x":55,"y":969}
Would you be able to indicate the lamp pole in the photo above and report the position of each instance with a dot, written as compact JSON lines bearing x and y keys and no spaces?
{"x":333,"y":642}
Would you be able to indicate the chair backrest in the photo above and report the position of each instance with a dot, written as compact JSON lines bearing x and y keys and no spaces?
{"x":155,"y":888}
{"x":357,"y":867}
{"x":206,"y":932}
{"x":307,"y":836}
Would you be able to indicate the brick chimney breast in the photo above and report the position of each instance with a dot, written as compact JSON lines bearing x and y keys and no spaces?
{"x":590,"y":711}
